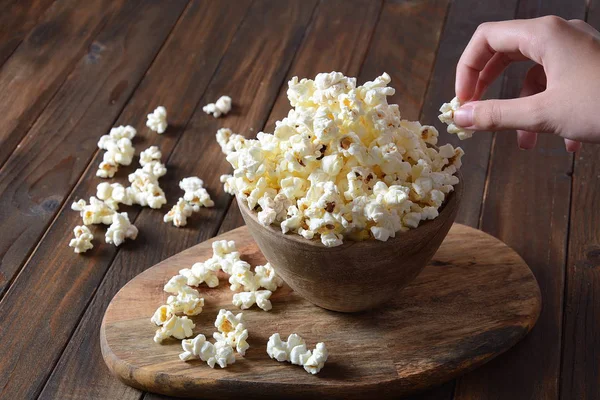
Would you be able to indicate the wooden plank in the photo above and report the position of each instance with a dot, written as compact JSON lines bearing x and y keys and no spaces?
{"x":248,"y":74}
{"x":351,"y":23}
{"x":581,"y":341}
{"x":527,"y":206}
{"x":42,"y":171}
{"x":35,"y":71}
{"x":457,"y":33}
{"x":16,"y":20}
{"x":131,"y":34}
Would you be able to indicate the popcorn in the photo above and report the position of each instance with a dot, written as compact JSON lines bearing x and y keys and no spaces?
{"x":245,"y":300}
{"x":195,"y":194}
{"x":294,"y":350}
{"x":83,"y":239}
{"x":232,"y":331}
{"x":112,"y":194}
{"x":120,"y":229}
{"x":341,"y":164}
{"x":162,"y":314}
{"x":145,"y":190}
{"x":177,"y":327}
{"x":242,"y":277}
{"x":224,"y":256}
{"x":97,"y":212}
{"x":119,"y":150}
{"x":447,"y":116}
{"x":179,"y":213}
{"x":150,"y":162}
{"x":186,"y":300}
{"x":221,"y":107}
{"x":157,"y":120}
{"x":200,"y":273}
{"x":220,"y":353}
{"x":267,"y":278}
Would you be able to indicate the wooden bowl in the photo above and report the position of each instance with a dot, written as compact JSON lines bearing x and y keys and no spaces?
{"x":355,"y":276}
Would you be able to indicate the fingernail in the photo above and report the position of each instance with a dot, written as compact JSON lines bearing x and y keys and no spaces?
{"x":464,"y":116}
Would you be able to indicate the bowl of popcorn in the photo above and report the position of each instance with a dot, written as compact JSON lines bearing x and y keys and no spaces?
{"x":345,"y":199}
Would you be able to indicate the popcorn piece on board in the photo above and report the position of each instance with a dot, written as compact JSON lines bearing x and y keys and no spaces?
{"x":245,"y":300}
{"x":221,"y":107}
{"x":177,"y":327}
{"x":342,"y":163}
{"x":120,"y":229}
{"x":447,"y":116}
{"x":82,"y":241}
{"x":150,"y":162}
{"x":162,"y":314}
{"x":294,"y":350}
{"x":157,"y":120}
{"x":242,"y":277}
{"x":232,"y":330}
{"x":97,"y":212}
{"x":267,"y":277}
{"x":197,"y":347}
{"x":201,"y":272}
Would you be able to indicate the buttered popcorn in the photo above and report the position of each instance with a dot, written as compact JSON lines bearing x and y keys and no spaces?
{"x":447,"y":116}
{"x":341,"y":164}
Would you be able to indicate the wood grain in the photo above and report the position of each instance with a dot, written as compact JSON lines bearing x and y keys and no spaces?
{"x":40,"y":174}
{"x":467,"y":306}
{"x":527,"y":206}
{"x":16,"y":20}
{"x":580,"y":338}
{"x":253,"y":90}
{"x":351,"y":23}
{"x":41,"y":63}
{"x":463,"y":18}
{"x":334,"y":277}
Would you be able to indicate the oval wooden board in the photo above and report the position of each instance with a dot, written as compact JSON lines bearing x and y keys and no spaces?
{"x":473,"y":301}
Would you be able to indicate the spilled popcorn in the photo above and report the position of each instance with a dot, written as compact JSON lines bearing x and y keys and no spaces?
{"x":221,"y":107}
{"x":342,"y":164}
{"x":294,"y":350}
{"x":157,"y":120}
{"x":231,"y":330}
{"x":120,"y":229}
{"x":219,"y":353}
{"x":82,"y":241}
{"x":195,"y":196}
{"x":119,"y":150}
{"x":447,"y":116}
{"x":97,"y":212}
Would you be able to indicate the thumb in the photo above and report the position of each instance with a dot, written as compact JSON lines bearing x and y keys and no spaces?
{"x":525,"y":113}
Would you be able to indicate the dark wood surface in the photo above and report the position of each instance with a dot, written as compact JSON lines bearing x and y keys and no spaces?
{"x":474,"y":300}
{"x":70,"y":70}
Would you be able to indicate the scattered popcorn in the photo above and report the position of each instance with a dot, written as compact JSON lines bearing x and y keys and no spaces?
{"x":119,"y":150}
{"x":447,"y":116}
{"x":177,"y":327}
{"x":83,"y":239}
{"x":342,"y":164}
{"x":295,"y":351}
{"x":245,"y":300}
{"x":179,"y":213}
{"x":145,"y":190}
{"x":197,"y":347}
{"x":112,"y":194}
{"x":242,"y":277}
{"x":186,"y":300}
{"x":267,"y":278}
{"x":221,"y":107}
{"x":200,"y":273}
{"x":97,"y":212}
{"x":120,"y":229}
{"x":224,"y":256}
{"x":157,"y":120}
{"x":232,"y":330}
{"x":150,"y":162}
{"x":195,"y":194}
{"x":162,"y":314}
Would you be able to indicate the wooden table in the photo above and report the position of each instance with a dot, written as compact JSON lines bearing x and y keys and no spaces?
{"x":71,"y":70}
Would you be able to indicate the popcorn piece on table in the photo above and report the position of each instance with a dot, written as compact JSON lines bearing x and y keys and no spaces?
{"x":120,"y":229}
{"x":179,"y":213}
{"x":83,"y":239}
{"x":294,"y":350}
{"x":225,"y":255}
{"x":202,"y":272}
{"x":97,"y":212}
{"x":447,"y":116}
{"x":145,"y":190}
{"x":112,"y":194}
{"x":150,"y":161}
{"x":242,"y":277}
{"x":177,"y":327}
{"x":341,"y":164}
{"x":157,"y":120}
{"x":195,"y":194}
{"x":232,"y":330}
{"x":119,"y":150}
{"x":221,"y":107}
{"x":267,"y":278}
{"x":245,"y":300}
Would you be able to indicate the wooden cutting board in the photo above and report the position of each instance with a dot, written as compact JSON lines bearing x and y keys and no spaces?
{"x":474,"y":300}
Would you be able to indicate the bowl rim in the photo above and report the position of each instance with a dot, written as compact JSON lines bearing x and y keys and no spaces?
{"x":451,"y":203}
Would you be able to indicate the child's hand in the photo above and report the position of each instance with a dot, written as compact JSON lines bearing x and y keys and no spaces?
{"x":560,"y":95}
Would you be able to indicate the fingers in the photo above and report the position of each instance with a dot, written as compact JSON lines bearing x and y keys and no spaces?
{"x":490,"y":73}
{"x":526,"y":113}
{"x":572,"y":145}
{"x":535,"y":82}
{"x":584,"y":27}
{"x":519,"y":38}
